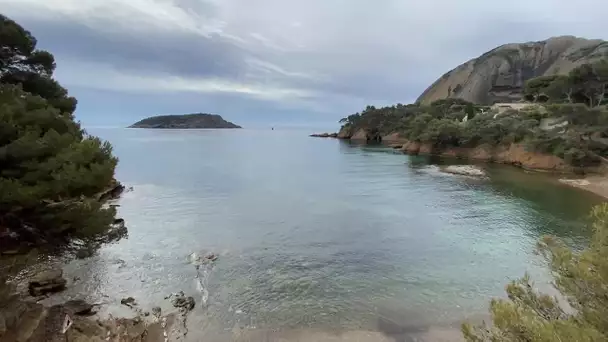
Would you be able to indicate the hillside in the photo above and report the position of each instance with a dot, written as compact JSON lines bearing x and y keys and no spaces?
{"x":562,"y":125}
{"x":499,"y":74}
{"x":185,"y":121}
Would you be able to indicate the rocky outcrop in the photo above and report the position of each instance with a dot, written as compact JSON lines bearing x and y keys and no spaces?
{"x":499,"y":75}
{"x":464,"y":170}
{"x":48,"y":281}
{"x":324,"y":135}
{"x":514,"y":154}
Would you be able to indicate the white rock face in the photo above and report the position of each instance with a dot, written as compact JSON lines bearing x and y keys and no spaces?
{"x":464,"y":170}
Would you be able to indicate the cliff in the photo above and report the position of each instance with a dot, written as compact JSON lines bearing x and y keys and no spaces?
{"x":185,"y":121}
{"x":513,"y":154}
{"x":499,"y":74}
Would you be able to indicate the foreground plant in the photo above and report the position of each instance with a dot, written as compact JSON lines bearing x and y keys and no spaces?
{"x":582,"y":277}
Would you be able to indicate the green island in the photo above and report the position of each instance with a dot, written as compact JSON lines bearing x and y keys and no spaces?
{"x":185,"y":121}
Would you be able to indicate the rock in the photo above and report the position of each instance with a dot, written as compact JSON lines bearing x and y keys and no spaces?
{"x":49,"y":281}
{"x":211,"y":256}
{"x":344,"y":133}
{"x":157,"y":311}
{"x":182,"y":302}
{"x":79,"y":307}
{"x":113,"y":192}
{"x":464,"y":170}
{"x":117,"y":231}
{"x":499,"y":75}
{"x":129,"y":301}
{"x":325,"y":135}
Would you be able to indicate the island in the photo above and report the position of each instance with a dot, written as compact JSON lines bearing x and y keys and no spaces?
{"x":199,"y":120}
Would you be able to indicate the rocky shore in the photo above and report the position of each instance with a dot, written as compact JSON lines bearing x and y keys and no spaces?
{"x":22,"y":239}
{"x":514,"y":154}
{"x":29,"y":309}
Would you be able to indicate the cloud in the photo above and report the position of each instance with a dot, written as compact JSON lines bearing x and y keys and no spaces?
{"x":104,"y":77}
{"x":328,"y":56}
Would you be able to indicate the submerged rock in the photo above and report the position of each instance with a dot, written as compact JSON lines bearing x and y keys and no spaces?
{"x":464,"y":170}
{"x":182,"y":302}
{"x":49,"y":281}
{"x":211,"y":256}
{"x":129,"y":301}
{"x":79,"y":307}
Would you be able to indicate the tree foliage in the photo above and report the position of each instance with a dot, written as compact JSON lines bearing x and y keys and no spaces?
{"x":21,"y":63}
{"x":582,"y":277}
{"x":51,"y":170}
{"x":587,"y":83}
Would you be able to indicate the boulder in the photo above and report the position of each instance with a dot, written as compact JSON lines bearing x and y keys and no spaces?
{"x":182,"y":302}
{"x":464,"y":170}
{"x":48,"y":281}
{"x":128,"y":301}
{"x":79,"y":307}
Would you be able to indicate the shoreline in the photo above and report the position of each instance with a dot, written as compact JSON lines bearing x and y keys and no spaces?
{"x":595,"y":182}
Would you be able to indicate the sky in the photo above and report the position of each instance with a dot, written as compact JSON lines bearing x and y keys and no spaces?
{"x":262,"y":63}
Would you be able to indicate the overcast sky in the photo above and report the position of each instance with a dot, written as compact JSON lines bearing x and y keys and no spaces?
{"x":276,"y":62}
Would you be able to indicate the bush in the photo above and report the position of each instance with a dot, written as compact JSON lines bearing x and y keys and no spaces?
{"x":581,"y":277}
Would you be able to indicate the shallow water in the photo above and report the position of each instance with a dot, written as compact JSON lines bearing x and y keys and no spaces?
{"x":316,"y":233}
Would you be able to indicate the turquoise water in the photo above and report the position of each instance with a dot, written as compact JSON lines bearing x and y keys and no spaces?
{"x":318,"y":233}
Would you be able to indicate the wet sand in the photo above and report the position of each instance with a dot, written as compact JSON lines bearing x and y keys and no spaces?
{"x":595,"y":184}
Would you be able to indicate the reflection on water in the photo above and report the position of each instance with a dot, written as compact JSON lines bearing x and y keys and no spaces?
{"x":318,"y":234}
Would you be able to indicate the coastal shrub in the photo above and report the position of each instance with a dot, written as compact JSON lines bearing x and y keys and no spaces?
{"x":51,"y":171}
{"x":582,"y":278}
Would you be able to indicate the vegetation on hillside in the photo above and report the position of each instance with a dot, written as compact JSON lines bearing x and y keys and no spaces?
{"x":582,"y":277}
{"x":571,"y":122}
{"x":51,"y":171}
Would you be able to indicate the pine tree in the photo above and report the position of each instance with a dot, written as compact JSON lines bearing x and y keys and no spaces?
{"x":51,"y":171}
{"x":582,"y":277}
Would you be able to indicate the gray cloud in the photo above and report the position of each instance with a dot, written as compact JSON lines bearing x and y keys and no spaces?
{"x":316,"y":55}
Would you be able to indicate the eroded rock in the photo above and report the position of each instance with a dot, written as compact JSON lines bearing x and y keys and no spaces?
{"x":48,"y":281}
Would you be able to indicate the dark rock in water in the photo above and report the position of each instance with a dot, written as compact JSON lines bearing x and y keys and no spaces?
{"x":211,"y":257}
{"x":84,"y":252}
{"x":113,"y":192}
{"x":49,"y":281}
{"x":182,"y":302}
{"x":117,"y":231}
{"x":156,"y":311}
{"x":325,"y":135}
{"x":129,"y":301}
{"x":79,"y":307}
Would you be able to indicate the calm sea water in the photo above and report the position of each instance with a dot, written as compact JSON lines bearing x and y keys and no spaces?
{"x":318,"y":233}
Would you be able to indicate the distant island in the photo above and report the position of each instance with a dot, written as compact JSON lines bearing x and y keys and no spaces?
{"x":185,"y":121}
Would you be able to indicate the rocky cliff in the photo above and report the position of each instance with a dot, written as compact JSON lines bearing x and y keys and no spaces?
{"x":499,"y":75}
{"x":185,"y":121}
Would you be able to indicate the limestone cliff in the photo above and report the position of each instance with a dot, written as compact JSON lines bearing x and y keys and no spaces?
{"x":499,"y":75}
